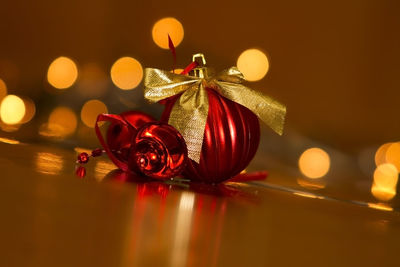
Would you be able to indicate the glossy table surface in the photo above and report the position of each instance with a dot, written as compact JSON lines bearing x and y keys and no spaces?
{"x":51,"y":217}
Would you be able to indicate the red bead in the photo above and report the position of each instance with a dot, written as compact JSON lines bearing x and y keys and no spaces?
{"x":83,"y":158}
{"x":97,"y":152}
{"x":159,"y":152}
{"x":231,"y":139}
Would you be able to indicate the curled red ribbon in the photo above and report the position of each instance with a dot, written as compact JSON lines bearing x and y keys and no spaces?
{"x":113,"y":119}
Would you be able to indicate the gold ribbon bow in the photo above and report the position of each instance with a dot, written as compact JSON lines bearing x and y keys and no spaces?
{"x":190,"y":111}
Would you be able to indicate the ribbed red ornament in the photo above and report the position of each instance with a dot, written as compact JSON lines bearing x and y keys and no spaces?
{"x":231,"y":139}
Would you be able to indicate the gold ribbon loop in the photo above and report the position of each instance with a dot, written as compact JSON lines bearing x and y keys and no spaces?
{"x":189,"y":113}
{"x":160,"y":84}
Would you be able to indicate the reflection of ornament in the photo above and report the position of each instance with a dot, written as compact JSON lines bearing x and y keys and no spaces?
{"x":159,"y":152}
{"x":119,"y":175}
{"x":80,"y":171}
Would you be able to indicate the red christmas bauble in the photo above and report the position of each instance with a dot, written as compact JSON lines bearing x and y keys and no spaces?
{"x":231,"y":139}
{"x":159,"y":151}
{"x":119,"y":136}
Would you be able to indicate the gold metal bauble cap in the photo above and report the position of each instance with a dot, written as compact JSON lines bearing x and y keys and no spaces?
{"x":201,"y":71}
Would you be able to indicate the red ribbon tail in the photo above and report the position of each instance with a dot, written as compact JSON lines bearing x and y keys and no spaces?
{"x":173,"y":51}
{"x":190,"y":67}
{"x":248,"y":177}
{"x":113,"y":119}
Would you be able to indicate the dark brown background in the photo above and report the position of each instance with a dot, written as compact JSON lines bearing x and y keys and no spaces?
{"x":334,"y":64}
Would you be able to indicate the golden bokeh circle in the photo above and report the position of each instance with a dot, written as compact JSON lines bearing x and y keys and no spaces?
{"x":392,"y":154}
{"x":90,"y":110}
{"x":166,"y":26}
{"x":386,"y":175}
{"x":254,"y":64}
{"x":62,"y":73}
{"x":12,"y":109}
{"x":380,"y":155}
{"x":62,"y":121}
{"x":30,"y":110}
{"x":385,"y":182}
{"x":126,"y":73}
{"x":3,"y":89}
{"x":314,"y":163}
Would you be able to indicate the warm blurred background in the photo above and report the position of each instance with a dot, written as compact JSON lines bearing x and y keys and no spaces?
{"x":335,"y":65}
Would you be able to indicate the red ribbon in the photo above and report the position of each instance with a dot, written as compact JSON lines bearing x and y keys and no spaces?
{"x":173,"y":52}
{"x":248,"y":177}
{"x":113,"y":119}
{"x":191,"y":66}
{"x":172,"y":48}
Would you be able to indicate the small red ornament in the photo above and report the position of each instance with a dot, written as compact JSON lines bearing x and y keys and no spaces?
{"x":155,"y":149}
{"x":83,"y":158}
{"x":231,"y":139}
{"x":159,"y":152}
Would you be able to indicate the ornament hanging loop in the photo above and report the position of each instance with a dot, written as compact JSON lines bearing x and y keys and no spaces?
{"x":199,"y":58}
{"x":201,"y":71}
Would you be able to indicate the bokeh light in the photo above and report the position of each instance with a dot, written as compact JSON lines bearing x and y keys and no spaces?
{"x":62,"y":122}
{"x":90,"y":110}
{"x":12,"y":109}
{"x":3,"y":89}
{"x":382,"y":193}
{"x":9,"y":128}
{"x":166,"y":26}
{"x":126,"y":73}
{"x":380,"y":155}
{"x":62,"y":73}
{"x":254,"y":64}
{"x":385,"y":182}
{"x":30,"y":110}
{"x":177,"y":71}
{"x":393,"y":154}
{"x":386,"y":175}
{"x":314,"y":163}
{"x":312,"y":184}
{"x":380,"y":206}
{"x":307,"y":194}
{"x":9,"y":141}
{"x":49,"y":163}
